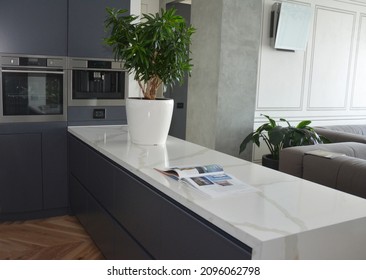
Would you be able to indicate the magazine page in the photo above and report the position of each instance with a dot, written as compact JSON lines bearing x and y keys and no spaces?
{"x":218,"y":184}
{"x":191,"y":171}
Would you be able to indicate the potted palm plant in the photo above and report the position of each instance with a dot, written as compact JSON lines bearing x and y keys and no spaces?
{"x":155,"y":50}
{"x":278,"y":137}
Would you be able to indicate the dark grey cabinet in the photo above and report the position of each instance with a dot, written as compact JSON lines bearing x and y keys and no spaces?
{"x":86,"y":27}
{"x":138,"y":208}
{"x":78,"y":200}
{"x":34,"y":27}
{"x":33,"y":170}
{"x":54,"y":166}
{"x":58,"y":27}
{"x":20,"y":172}
{"x":139,"y":222}
{"x":91,"y":188}
{"x":93,"y":217}
{"x":126,"y":247}
{"x":101,"y":180}
{"x":186,"y":237}
{"x":110,"y":237}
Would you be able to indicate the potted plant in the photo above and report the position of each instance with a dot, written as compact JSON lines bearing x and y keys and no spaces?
{"x":155,"y":50}
{"x":277,"y":137}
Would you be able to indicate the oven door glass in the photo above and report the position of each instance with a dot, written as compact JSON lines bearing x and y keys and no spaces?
{"x":32,"y":92}
{"x":95,"y":84}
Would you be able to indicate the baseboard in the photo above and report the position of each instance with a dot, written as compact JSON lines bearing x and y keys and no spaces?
{"x":34,"y":215}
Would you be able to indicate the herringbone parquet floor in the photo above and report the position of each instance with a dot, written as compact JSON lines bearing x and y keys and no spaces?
{"x":56,"y":238}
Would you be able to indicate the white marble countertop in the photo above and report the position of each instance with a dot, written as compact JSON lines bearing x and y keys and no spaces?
{"x":286,"y":218}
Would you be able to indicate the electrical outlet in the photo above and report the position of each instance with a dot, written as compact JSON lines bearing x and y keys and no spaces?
{"x":99,"y":113}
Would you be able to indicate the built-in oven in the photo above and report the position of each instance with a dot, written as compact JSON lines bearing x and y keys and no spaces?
{"x":96,"y":82}
{"x":32,"y":88}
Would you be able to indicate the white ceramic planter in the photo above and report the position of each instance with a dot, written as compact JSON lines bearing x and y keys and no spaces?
{"x":149,"y":120}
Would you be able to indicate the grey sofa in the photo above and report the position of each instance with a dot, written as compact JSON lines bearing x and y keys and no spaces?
{"x":341,"y":166}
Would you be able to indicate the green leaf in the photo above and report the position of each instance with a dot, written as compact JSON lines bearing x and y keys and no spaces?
{"x":303,"y":124}
{"x":276,"y":135}
{"x":245,"y":142}
{"x":256,"y":139}
{"x":284,"y":120}
{"x":272,"y":121}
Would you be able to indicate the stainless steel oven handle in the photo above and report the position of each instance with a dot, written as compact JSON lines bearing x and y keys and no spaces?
{"x":33,"y":72}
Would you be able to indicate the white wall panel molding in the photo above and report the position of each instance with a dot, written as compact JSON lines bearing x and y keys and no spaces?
{"x":281,"y":74}
{"x":353,"y":2}
{"x":331,"y":119}
{"x":330,"y":64}
{"x":358,"y":100}
{"x":317,"y":118}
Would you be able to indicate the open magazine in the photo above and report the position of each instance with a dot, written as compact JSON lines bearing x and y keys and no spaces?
{"x":210,"y":179}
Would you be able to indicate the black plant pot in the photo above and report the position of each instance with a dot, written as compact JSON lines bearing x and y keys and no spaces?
{"x":269,"y":162}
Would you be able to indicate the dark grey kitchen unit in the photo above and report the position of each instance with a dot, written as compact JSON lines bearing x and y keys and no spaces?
{"x":34,"y":27}
{"x":86,"y":27}
{"x":20,"y":172}
{"x":130,"y":219}
{"x":58,"y":27}
{"x":33,"y":170}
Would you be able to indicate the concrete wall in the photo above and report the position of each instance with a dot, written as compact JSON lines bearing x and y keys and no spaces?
{"x":222,"y":88}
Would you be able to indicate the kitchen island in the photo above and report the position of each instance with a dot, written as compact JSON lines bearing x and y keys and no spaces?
{"x":283,"y":217}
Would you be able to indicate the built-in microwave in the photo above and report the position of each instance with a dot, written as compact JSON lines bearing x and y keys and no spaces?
{"x":96,"y":82}
{"x":32,"y":88}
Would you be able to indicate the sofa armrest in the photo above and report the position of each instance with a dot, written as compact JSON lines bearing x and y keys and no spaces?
{"x":291,"y":161}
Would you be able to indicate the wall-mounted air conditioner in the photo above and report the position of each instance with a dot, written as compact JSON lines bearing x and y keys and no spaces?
{"x":290,"y":26}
